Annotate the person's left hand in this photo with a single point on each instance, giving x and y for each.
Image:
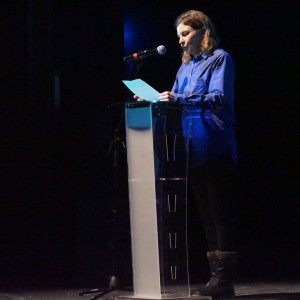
(136, 97)
(166, 96)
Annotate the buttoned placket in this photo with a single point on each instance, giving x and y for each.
(191, 74)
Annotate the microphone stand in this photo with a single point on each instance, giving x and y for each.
(115, 148)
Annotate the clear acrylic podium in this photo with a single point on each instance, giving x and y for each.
(157, 177)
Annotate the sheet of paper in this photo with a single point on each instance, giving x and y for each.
(142, 89)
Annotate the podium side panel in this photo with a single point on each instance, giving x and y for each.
(171, 193)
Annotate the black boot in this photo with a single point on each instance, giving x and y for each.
(222, 267)
(212, 260)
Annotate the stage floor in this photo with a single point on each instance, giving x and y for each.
(246, 291)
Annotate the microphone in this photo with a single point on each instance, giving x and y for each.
(145, 53)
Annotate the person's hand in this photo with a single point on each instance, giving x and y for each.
(136, 97)
(166, 96)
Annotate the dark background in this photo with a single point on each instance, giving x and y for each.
(61, 108)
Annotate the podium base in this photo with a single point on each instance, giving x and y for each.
(170, 293)
(167, 297)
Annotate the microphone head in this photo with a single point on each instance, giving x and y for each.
(161, 49)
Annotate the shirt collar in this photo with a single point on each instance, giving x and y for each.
(200, 56)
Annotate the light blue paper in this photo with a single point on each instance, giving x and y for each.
(142, 89)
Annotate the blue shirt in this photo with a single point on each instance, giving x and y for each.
(205, 87)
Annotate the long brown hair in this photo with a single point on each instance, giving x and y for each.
(198, 20)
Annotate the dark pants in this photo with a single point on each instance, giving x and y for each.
(212, 188)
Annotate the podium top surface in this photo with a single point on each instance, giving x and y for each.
(159, 104)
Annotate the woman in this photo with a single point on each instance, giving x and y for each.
(205, 86)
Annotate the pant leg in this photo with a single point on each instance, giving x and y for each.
(197, 178)
(212, 187)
